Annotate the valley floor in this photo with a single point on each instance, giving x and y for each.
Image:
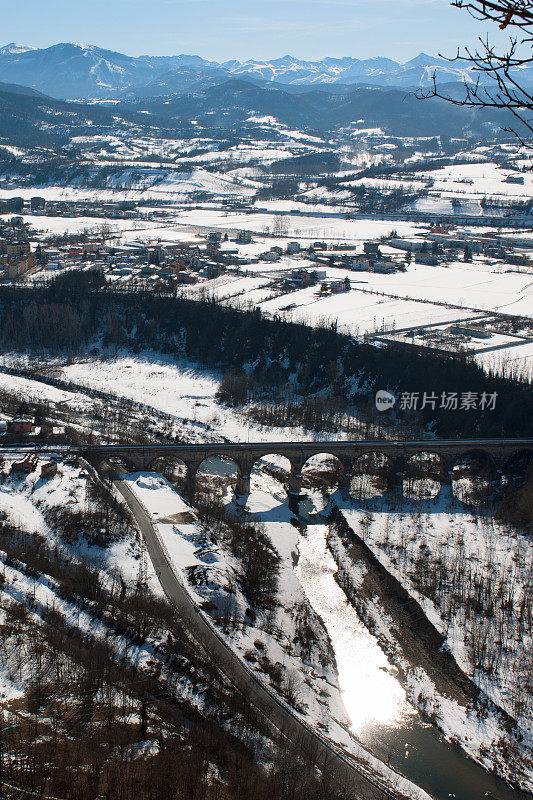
(371, 695)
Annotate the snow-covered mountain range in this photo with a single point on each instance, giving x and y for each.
(84, 71)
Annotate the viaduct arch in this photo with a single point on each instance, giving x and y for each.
(495, 452)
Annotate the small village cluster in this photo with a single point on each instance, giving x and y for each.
(156, 263)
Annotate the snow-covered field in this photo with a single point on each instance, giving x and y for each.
(310, 227)
(355, 312)
(34, 391)
(180, 390)
(74, 225)
(250, 289)
(114, 230)
(476, 285)
(143, 184)
(479, 180)
(469, 183)
(23, 499)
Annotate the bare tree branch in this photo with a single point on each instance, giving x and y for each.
(496, 77)
(515, 13)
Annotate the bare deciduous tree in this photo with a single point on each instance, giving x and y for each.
(497, 81)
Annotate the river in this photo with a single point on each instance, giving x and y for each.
(375, 701)
(381, 717)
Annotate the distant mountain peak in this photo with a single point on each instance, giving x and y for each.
(13, 48)
(422, 60)
(83, 71)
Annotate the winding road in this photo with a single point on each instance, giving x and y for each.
(360, 782)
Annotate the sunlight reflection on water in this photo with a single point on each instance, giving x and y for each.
(371, 694)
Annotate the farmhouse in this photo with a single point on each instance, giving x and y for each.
(20, 425)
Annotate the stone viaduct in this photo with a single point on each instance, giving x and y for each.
(396, 454)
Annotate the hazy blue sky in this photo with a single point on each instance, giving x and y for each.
(224, 29)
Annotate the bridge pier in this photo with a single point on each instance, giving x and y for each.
(295, 485)
(295, 479)
(243, 485)
(396, 475)
(136, 463)
(244, 468)
(346, 475)
(190, 479)
(345, 482)
(498, 463)
(446, 473)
